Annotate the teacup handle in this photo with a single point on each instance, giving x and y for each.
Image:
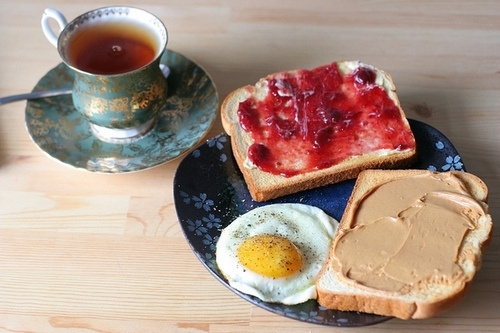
(48, 14)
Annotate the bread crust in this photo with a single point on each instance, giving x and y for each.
(385, 306)
(264, 186)
(334, 294)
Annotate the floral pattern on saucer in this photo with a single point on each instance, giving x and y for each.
(209, 193)
(61, 132)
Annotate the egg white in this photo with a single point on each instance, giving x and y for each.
(309, 228)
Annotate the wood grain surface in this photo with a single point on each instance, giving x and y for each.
(85, 252)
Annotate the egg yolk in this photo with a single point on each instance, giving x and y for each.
(270, 255)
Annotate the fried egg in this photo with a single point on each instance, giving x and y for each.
(275, 252)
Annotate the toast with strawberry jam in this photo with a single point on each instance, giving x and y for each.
(301, 129)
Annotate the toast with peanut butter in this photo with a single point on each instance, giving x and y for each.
(408, 245)
(301, 129)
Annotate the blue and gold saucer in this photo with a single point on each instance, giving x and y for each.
(60, 131)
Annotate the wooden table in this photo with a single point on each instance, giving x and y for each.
(86, 252)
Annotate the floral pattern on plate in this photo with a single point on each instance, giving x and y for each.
(61, 132)
(210, 192)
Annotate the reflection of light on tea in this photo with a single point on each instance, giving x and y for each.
(111, 48)
(117, 50)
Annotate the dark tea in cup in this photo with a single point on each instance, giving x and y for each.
(111, 48)
(115, 52)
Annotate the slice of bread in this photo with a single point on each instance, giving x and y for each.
(265, 185)
(417, 300)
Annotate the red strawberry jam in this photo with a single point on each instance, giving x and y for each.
(313, 119)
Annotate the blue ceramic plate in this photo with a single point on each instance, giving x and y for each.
(61, 132)
(210, 192)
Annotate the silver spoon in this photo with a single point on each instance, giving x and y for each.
(56, 92)
(36, 95)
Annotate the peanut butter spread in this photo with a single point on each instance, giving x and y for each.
(408, 231)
